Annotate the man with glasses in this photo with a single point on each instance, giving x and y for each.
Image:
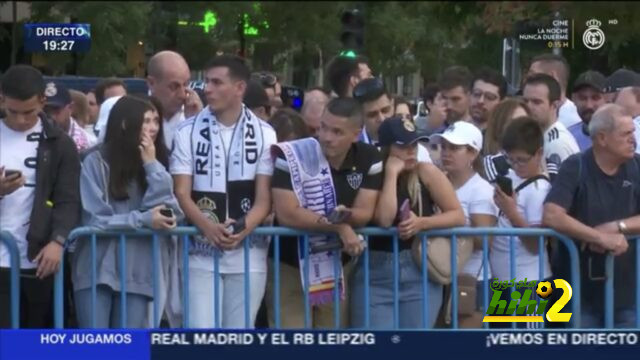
(377, 106)
(489, 88)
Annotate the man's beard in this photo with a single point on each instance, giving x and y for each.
(479, 115)
(586, 115)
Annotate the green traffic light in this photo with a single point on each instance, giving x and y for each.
(349, 53)
(210, 20)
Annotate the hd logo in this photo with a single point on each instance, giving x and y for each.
(523, 304)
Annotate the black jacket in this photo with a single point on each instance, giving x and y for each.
(56, 206)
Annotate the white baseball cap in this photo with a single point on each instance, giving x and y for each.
(460, 133)
(103, 117)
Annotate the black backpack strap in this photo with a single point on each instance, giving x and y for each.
(529, 181)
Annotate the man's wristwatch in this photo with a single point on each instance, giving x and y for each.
(59, 240)
(622, 227)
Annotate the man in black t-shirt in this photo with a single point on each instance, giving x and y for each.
(356, 172)
(595, 200)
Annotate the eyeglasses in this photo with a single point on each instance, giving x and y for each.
(265, 78)
(477, 94)
(520, 161)
(367, 88)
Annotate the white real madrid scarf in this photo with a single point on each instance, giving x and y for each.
(312, 183)
(216, 170)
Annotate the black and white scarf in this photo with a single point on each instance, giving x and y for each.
(224, 183)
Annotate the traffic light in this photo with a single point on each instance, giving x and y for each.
(352, 36)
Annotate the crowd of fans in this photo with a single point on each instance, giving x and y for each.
(353, 156)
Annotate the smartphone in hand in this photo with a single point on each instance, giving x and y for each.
(167, 212)
(238, 226)
(9, 173)
(405, 210)
(339, 216)
(505, 185)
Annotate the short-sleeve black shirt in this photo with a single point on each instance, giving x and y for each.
(593, 198)
(361, 169)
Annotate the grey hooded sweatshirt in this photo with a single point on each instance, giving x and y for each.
(103, 212)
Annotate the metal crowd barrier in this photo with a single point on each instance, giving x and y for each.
(14, 258)
(184, 233)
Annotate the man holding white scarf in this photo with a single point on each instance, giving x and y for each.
(311, 179)
(222, 171)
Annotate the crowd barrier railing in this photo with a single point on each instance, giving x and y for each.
(184, 234)
(14, 283)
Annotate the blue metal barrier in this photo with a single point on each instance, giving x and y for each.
(184, 234)
(609, 307)
(14, 258)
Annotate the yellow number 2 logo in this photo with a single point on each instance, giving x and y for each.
(554, 314)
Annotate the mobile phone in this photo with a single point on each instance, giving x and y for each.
(405, 210)
(292, 97)
(11, 173)
(505, 184)
(238, 226)
(338, 216)
(330, 246)
(166, 212)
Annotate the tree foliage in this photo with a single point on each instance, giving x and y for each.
(114, 27)
(400, 37)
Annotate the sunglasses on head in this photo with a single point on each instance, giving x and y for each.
(266, 79)
(368, 87)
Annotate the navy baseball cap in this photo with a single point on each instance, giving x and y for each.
(398, 131)
(620, 79)
(57, 95)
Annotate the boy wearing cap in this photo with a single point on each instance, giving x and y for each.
(58, 107)
(588, 96)
(410, 192)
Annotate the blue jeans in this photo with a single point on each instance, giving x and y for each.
(594, 319)
(381, 293)
(108, 309)
(230, 298)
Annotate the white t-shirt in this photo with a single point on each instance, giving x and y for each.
(169, 127)
(559, 144)
(568, 114)
(232, 261)
(423, 154)
(530, 202)
(636, 123)
(16, 150)
(476, 197)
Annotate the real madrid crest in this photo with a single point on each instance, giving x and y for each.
(408, 125)
(593, 38)
(50, 90)
(354, 180)
(207, 206)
